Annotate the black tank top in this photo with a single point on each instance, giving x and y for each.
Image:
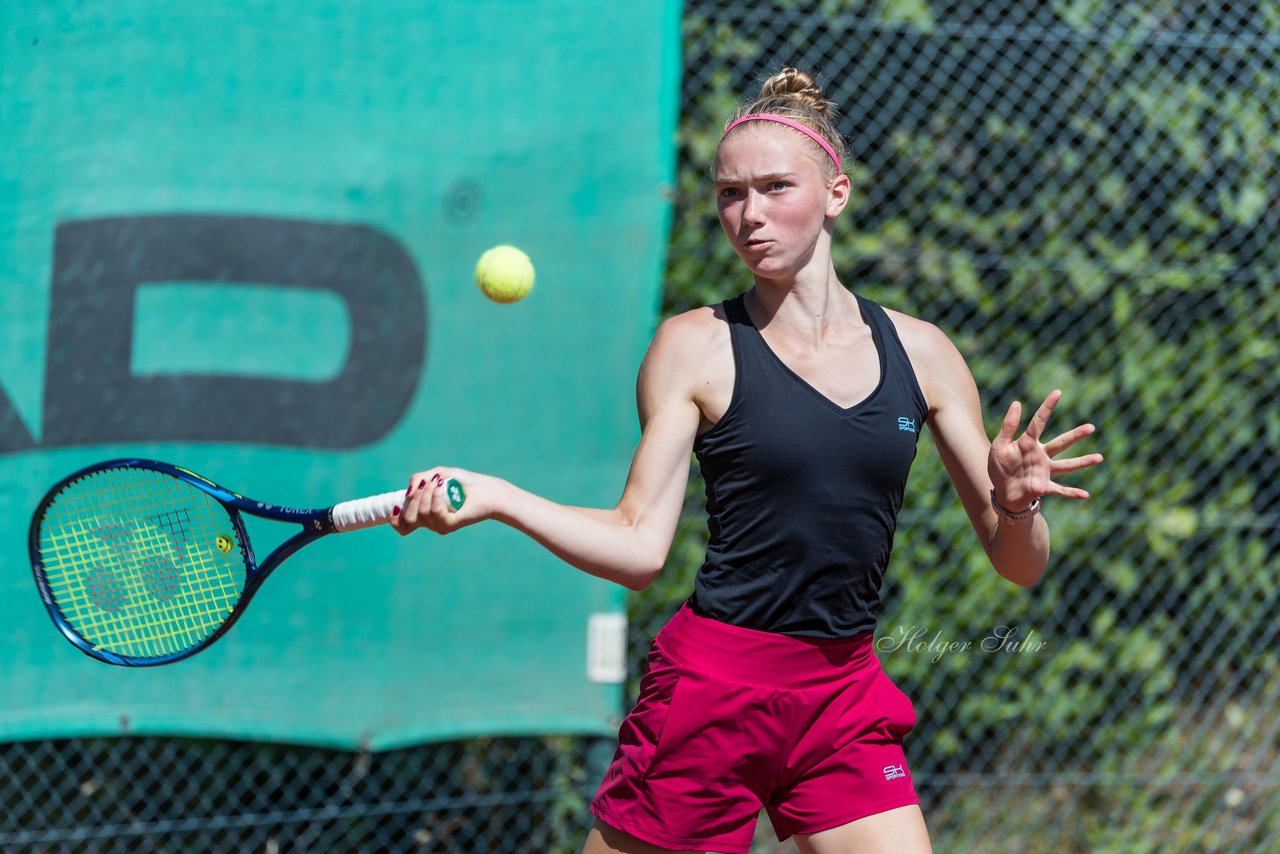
(802, 494)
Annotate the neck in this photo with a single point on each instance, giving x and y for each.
(808, 308)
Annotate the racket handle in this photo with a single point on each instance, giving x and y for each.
(378, 509)
(366, 512)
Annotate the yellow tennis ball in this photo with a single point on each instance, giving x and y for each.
(505, 274)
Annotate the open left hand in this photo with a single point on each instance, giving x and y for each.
(1023, 469)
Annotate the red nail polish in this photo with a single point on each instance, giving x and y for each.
(421, 485)
(395, 511)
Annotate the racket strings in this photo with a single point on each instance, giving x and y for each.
(141, 563)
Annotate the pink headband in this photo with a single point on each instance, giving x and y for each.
(791, 123)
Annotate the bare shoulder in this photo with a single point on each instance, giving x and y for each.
(693, 330)
(691, 356)
(919, 336)
(939, 366)
(684, 340)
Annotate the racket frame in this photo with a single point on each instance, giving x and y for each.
(315, 523)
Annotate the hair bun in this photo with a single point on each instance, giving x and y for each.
(795, 95)
(792, 83)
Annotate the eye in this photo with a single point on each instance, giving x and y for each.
(778, 185)
(730, 192)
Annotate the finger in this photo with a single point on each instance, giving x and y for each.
(414, 507)
(417, 481)
(439, 504)
(1075, 463)
(1012, 417)
(411, 512)
(1072, 492)
(1041, 419)
(1060, 443)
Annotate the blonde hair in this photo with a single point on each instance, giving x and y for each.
(796, 95)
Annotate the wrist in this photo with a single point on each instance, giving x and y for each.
(1011, 516)
(500, 500)
(1008, 506)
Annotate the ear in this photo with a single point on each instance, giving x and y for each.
(839, 193)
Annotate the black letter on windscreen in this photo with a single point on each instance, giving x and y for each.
(91, 397)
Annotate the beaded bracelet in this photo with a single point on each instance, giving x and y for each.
(1011, 518)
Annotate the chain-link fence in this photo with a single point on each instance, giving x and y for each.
(1083, 195)
(136, 795)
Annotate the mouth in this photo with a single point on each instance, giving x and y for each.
(755, 245)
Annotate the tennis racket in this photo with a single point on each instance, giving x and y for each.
(141, 562)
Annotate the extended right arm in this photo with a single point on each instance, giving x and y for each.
(627, 544)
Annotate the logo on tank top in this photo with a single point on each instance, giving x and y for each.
(893, 772)
(906, 425)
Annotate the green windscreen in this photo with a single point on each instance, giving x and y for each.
(241, 238)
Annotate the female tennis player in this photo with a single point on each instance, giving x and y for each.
(803, 403)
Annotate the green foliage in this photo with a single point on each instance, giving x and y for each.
(1096, 214)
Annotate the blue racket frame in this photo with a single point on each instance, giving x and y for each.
(315, 523)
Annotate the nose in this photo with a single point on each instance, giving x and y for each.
(753, 208)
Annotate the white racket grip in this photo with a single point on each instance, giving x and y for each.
(366, 512)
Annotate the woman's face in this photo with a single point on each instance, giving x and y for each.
(774, 199)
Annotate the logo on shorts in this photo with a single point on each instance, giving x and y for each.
(893, 772)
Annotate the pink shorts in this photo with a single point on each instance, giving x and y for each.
(732, 720)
